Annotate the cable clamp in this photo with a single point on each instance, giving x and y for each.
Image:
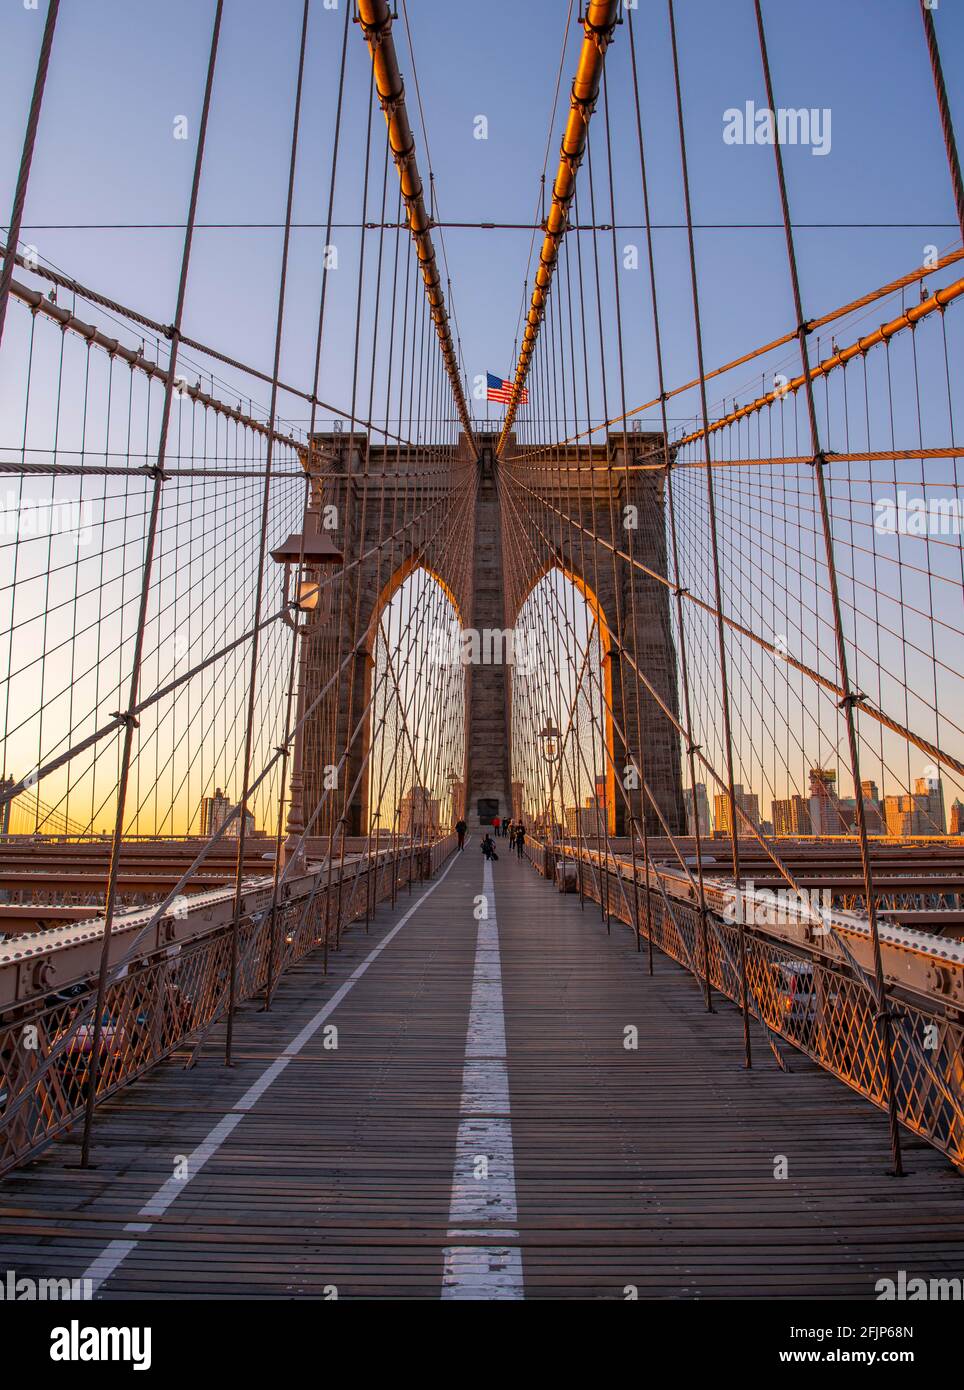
(156, 472)
(584, 105)
(849, 701)
(390, 105)
(819, 459)
(374, 33)
(680, 591)
(402, 157)
(601, 35)
(693, 748)
(128, 720)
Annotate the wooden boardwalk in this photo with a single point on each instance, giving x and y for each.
(480, 1130)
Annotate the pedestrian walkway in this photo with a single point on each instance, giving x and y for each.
(488, 1097)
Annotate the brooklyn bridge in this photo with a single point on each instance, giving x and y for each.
(468, 835)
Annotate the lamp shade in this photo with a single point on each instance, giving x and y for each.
(313, 549)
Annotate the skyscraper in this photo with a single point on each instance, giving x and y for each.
(701, 816)
(747, 802)
(873, 811)
(929, 795)
(827, 816)
(792, 816)
(214, 812)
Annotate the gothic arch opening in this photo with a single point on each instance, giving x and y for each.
(561, 702)
(415, 787)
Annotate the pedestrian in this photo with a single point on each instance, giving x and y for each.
(460, 829)
(495, 825)
(488, 847)
(520, 839)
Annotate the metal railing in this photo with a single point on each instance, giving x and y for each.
(172, 995)
(826, 1009)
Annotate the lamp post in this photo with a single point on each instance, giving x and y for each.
(303, 556)
(550, 740)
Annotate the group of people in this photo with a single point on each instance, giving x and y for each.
(512, 830)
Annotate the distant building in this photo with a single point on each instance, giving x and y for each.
(873, 811)
(234, 828)
(827, 815)
(792, 816)
(899, 815)
(747, 802)
(920, 812)
(956, 826)
(588, 821)
(929, 795)
(217, 809)
(701, 817)
(214, 812)
(456, 798)
(418, 814)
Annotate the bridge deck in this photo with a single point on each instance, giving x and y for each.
(359, 1166)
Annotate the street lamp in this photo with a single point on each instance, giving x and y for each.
(550, 738)
(305, 554)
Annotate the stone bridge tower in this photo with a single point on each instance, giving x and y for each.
(377, 492)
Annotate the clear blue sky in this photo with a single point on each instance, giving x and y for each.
(121, 73)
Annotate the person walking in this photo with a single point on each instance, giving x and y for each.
(520, 839)
(495, 825)
(460, 829)
(488, 846)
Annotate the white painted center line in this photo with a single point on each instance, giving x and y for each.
(483, 1184)
(117, 1251)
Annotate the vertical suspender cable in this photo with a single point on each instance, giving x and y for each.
(26, 159)
(947, 124)
(128, 716)
(849, 698)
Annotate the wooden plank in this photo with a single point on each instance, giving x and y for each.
(651, 1167)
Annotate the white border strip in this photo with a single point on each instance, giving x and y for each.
(117, 1251)
(483, 1184)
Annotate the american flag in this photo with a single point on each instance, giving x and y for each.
(499, 390)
